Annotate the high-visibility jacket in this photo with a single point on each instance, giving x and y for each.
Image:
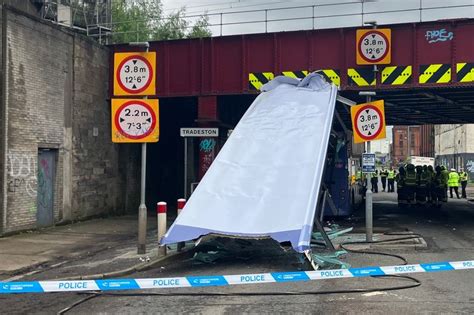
(453, 180)
(438, 181)
(410, 178)
(384, 173)
(463, 177)
(444, 177)
(424, 179)
(391, 174)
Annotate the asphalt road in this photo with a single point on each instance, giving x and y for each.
(448, 232)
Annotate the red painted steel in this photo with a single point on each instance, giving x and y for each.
(207, 108)
(220, 65)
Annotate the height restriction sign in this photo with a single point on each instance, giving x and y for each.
(368, 121)
(134, 73)
(135, 120)
(373, 46)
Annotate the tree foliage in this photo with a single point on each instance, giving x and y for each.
(144, 20)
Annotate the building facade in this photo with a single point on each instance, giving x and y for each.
(455, 146)
(412, 141)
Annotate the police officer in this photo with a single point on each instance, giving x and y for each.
(453, 183)
(383, 178)
(391, 178)
(410, 183)
(374, 180)
(439, 190)
(431, 184)
(422, 184)
(463, 177)
(444, 181)
(401, 190)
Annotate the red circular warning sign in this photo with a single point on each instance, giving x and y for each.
(368, 122)
(135, 119)
(134, 74)
(373, 46)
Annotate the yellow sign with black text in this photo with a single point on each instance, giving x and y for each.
(368, 121)
(135, 73)
(135, 121)
(373, 46)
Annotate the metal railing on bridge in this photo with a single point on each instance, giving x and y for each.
(308, 17)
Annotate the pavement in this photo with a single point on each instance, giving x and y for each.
(106, 245)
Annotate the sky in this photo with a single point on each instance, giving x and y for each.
(327, 13)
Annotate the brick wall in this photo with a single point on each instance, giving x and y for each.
(56, 85)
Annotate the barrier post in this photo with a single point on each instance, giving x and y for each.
(181, 204)
(161, 208)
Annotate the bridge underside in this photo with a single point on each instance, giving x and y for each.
(418, 106)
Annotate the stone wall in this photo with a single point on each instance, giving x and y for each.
(56, 85)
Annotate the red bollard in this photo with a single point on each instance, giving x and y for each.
(181, 204)
(161, 208)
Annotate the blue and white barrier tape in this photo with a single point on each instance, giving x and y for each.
(207, 281)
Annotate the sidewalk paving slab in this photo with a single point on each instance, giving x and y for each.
(30, 251)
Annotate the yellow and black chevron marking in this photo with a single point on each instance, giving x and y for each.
(361, 76)
(257, 79)
(295, 74)
(435, 73)
(465, 72)
(332, 76)
(397, 75)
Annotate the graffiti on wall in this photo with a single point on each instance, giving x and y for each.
(438, 36)
(206, 154)
(22, 171)
(207, 145)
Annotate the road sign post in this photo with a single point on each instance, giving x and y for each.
(368, 123)
(134, 74)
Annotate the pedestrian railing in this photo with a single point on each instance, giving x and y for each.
(310, 17)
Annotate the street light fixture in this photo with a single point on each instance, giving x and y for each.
(142, 210)
(372, 23)
(140, 44)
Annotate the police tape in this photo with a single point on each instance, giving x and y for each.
(208, 281)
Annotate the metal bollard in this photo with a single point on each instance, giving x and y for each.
(181, 204)
(161, 208)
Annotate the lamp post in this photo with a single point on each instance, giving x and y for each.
(142, 210)
(368, 193)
